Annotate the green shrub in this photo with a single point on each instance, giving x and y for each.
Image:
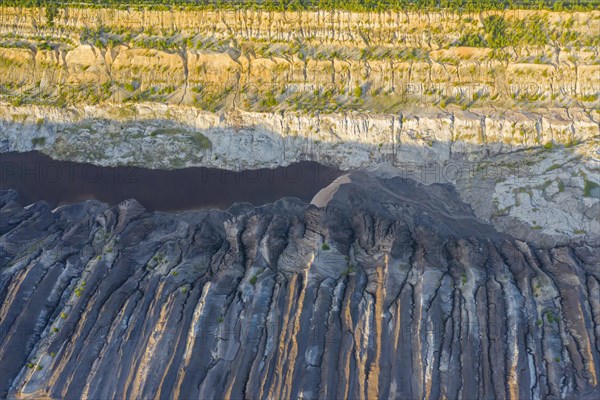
(253, 280)
(589, 97)
(129, 87)
(550, 317)
(17, 101)
(51, 13)
(351, 268)
(325, 246)
(269, 100)
(494, 27)
(471, 39)
(549, 145)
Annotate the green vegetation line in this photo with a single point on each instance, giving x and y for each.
(346, 5)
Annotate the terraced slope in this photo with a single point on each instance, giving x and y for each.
(301, 61)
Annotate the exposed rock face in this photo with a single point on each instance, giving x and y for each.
(156, 135)
(383, 288)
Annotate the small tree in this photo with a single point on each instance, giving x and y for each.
(495, 31)
(51, 13)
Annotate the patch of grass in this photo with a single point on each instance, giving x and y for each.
(201, 141)
(168, 131)
(325, 246)
(463, 278)
(553, 167)
(591, 189)
(19, 117)
(220, 320)
(38, 141)
(124, 112)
